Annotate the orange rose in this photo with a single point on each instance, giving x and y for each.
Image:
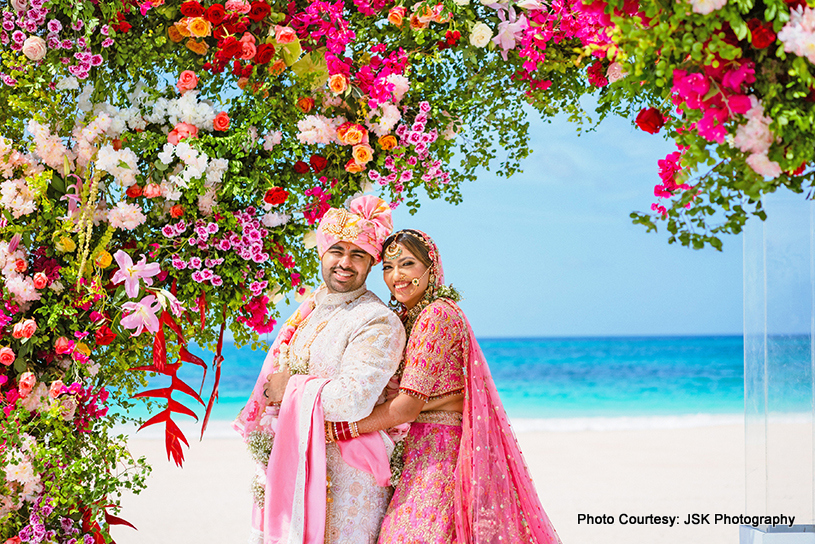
(277, 68)
(363, 153)
(416, 24)
(182, 27)
(396, 15)
(199, 48)
(351, 133)
(200, 27)
(387, 142)
(305, 104)
(174, 34)
(337, 83)
(221, 122)
(177, 211)
(243, 82)
(354, 167)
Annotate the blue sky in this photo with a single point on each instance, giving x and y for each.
(552, 251)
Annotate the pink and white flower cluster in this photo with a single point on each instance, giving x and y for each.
(13, 267)
(798, 35)
(755, 137)
(29, 30)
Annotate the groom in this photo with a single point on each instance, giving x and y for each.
(342, 346)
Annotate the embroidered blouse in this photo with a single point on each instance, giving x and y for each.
(435, 358)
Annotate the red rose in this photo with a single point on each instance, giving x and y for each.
(134, 191)
(265, 53)
(275, 196)
(762, 34)
(177, 211)
(192, 9)
(215, 14)
(231, 48)
(221, 122)
(259, 10)
(105, 336)
(300, 167)
(318, 163)
(650, 120)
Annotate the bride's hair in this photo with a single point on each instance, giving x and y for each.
(412, 242)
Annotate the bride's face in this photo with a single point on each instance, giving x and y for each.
(406, 277)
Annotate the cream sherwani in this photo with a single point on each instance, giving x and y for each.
(355, 341)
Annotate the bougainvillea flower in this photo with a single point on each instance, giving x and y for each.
(142, 315)
(131, 273)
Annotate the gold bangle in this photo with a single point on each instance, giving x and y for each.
(329, 433)
(354, 430)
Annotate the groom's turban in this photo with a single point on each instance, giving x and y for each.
(366, 223)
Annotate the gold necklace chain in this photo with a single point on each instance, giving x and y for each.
(300, 364)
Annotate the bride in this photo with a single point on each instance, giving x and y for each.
(464, 478)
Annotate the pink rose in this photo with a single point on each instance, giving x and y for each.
(249, 50)
(238, 6)
(187, 81)
(40, 280)
(152, 190)
(26, 383)
(56, 389)
(29, 328)
(284, 34)
(67, 407)
(182, 130)
(19, 5)
(17, 331)
(7, 356)
(248, 37)
(221, 122)
(34, 48)
(63, 345)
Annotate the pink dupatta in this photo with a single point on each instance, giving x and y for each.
(294, 509)
(494, 493)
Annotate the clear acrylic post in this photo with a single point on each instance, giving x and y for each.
(779, 358)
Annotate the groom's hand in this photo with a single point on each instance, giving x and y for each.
(276, 386)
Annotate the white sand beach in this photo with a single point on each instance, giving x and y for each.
(631, 470)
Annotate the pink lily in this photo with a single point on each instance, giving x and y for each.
(142, 315)
(131, 273)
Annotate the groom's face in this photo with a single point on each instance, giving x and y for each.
(345, 267)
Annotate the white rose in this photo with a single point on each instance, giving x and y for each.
(34, 48)
(480, 35)
(461, 2)
(310, 239)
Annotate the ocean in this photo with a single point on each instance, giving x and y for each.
(569, 383)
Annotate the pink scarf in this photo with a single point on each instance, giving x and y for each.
(294, 510)
(494, 494)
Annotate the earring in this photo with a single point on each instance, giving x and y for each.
(432, 279)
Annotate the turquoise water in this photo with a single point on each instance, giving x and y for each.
(566, 377)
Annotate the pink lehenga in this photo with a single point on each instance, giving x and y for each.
(464, 478)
